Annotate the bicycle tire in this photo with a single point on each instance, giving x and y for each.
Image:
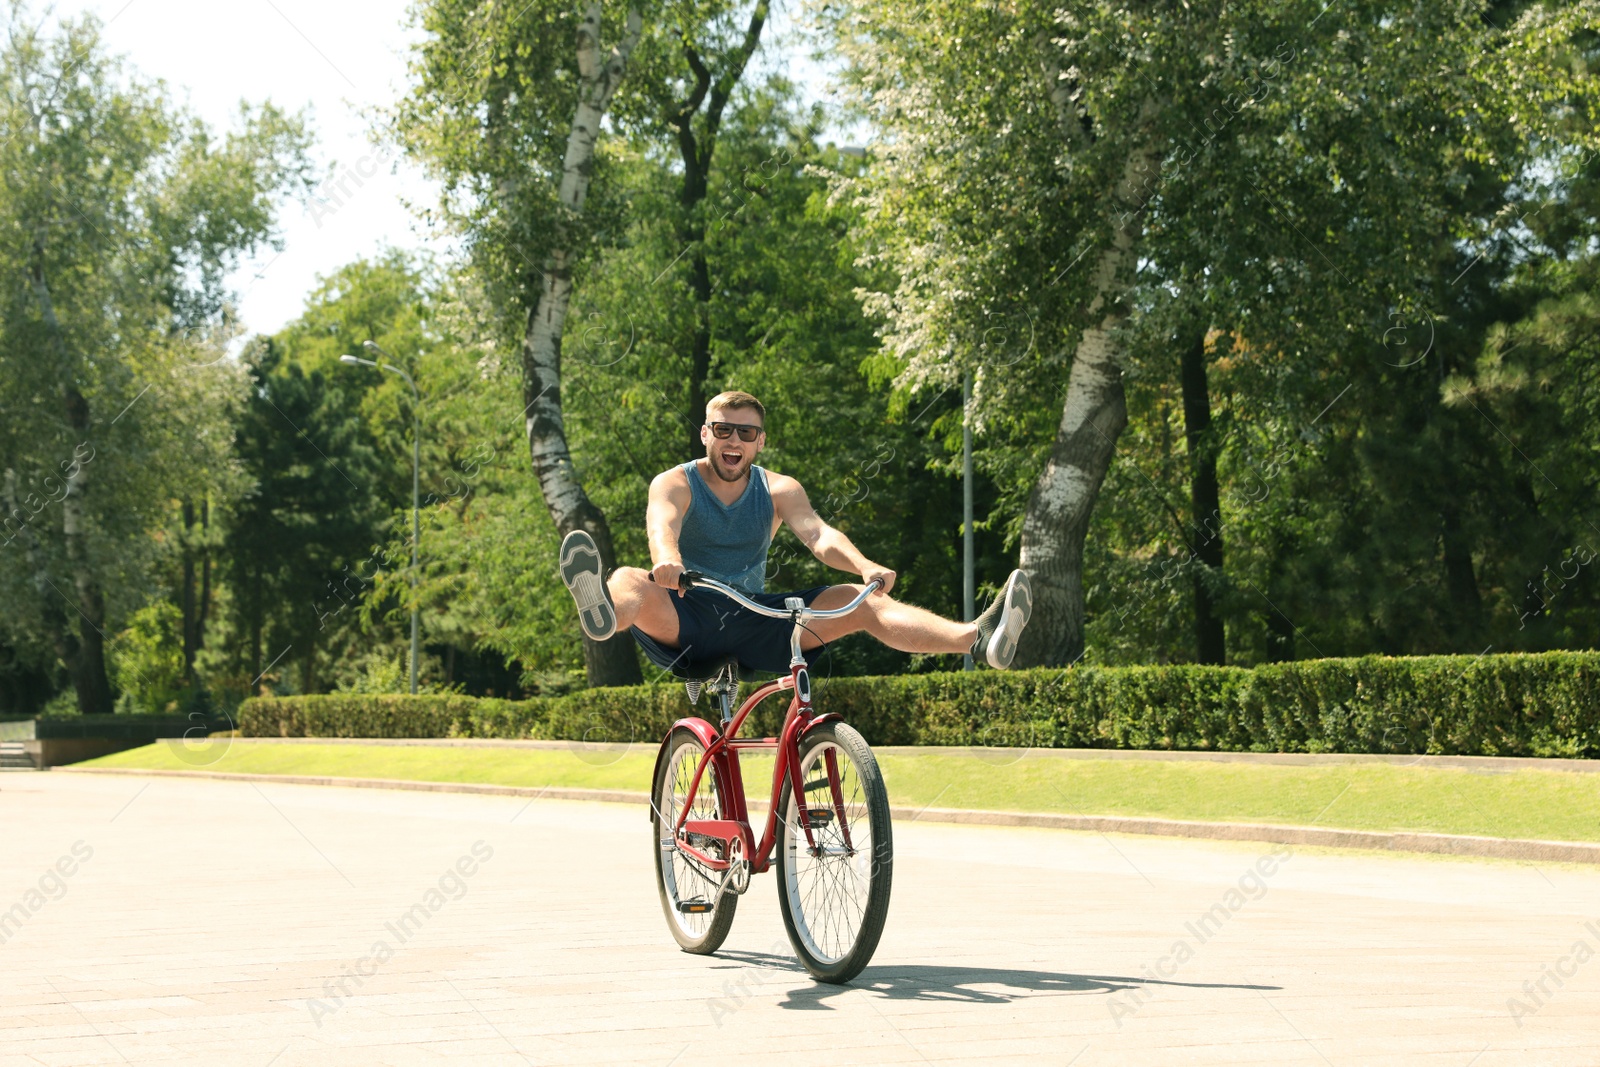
(677, 877)
(818, 892)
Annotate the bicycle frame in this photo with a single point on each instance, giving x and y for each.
(722, 756)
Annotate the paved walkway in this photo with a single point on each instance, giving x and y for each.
(173, 921)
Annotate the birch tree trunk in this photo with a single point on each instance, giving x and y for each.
(1093, 416)
(608, 662)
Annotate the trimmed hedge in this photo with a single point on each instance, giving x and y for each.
(1544, 704)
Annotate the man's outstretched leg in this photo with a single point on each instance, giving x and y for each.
(1000, 625)
(626, 600)
(644, 604)
(583, 573)
(991, 638)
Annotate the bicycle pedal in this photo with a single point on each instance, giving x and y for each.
(694, 907)
(819, 816)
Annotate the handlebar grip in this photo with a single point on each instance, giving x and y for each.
(686, 579)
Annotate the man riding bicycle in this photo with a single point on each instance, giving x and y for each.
(717, 515)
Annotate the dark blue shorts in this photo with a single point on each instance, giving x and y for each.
(712, 626)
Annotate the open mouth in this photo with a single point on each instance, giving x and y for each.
(732, 459)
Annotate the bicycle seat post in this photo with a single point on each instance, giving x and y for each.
(726, 688)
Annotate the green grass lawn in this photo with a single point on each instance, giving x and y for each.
(1540, 804)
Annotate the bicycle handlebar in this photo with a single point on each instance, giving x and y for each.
(690, 579)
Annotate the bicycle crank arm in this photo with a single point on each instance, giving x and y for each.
(737, 877)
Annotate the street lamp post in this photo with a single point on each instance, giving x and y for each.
(416, 483)
(969, 577)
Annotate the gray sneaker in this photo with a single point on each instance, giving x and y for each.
(1000, 626)
(584, 577)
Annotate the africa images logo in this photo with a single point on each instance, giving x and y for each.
(451, 885)
(52, 885)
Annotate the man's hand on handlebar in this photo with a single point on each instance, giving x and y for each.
(666, 575)
(882, 574)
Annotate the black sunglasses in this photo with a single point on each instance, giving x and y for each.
(724, 430)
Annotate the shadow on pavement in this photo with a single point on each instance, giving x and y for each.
(964, 985)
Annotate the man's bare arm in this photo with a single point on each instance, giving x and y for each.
(663, 519)
(829, 545)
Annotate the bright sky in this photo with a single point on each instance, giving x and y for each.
(338, 59)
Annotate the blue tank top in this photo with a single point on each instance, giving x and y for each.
(729, 542)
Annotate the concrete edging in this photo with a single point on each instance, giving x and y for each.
(1438, 844)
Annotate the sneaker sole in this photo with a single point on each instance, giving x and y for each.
(583, 575)
(1013, 617)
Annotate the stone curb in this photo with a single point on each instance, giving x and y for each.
(1439, 844)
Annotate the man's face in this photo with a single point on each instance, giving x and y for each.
(730, 457)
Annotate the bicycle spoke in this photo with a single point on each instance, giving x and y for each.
(687, 879)
(831, 892)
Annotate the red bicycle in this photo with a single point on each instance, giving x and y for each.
(828, 818)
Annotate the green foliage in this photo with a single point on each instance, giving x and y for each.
(298, 539)
(383, 674)
(785, 325)
(317, 558)
(488, 114)
(123, 215)
(1511, 705)
(387, 715)
(64, 705)
(1352, 193)
(1339, 188)
(147, 659)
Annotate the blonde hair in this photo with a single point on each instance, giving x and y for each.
(734, 400)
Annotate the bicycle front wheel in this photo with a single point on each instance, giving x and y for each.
(834, 890)
(698, 915)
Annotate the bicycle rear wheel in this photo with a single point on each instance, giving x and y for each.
(835, 894)
(697, 914)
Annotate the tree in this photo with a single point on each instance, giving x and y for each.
(484, 587)
(148, 659)
(689, 105)
(1066, 165)
(124, 215)
(785, 325)
(294, 541)
(508, 111)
